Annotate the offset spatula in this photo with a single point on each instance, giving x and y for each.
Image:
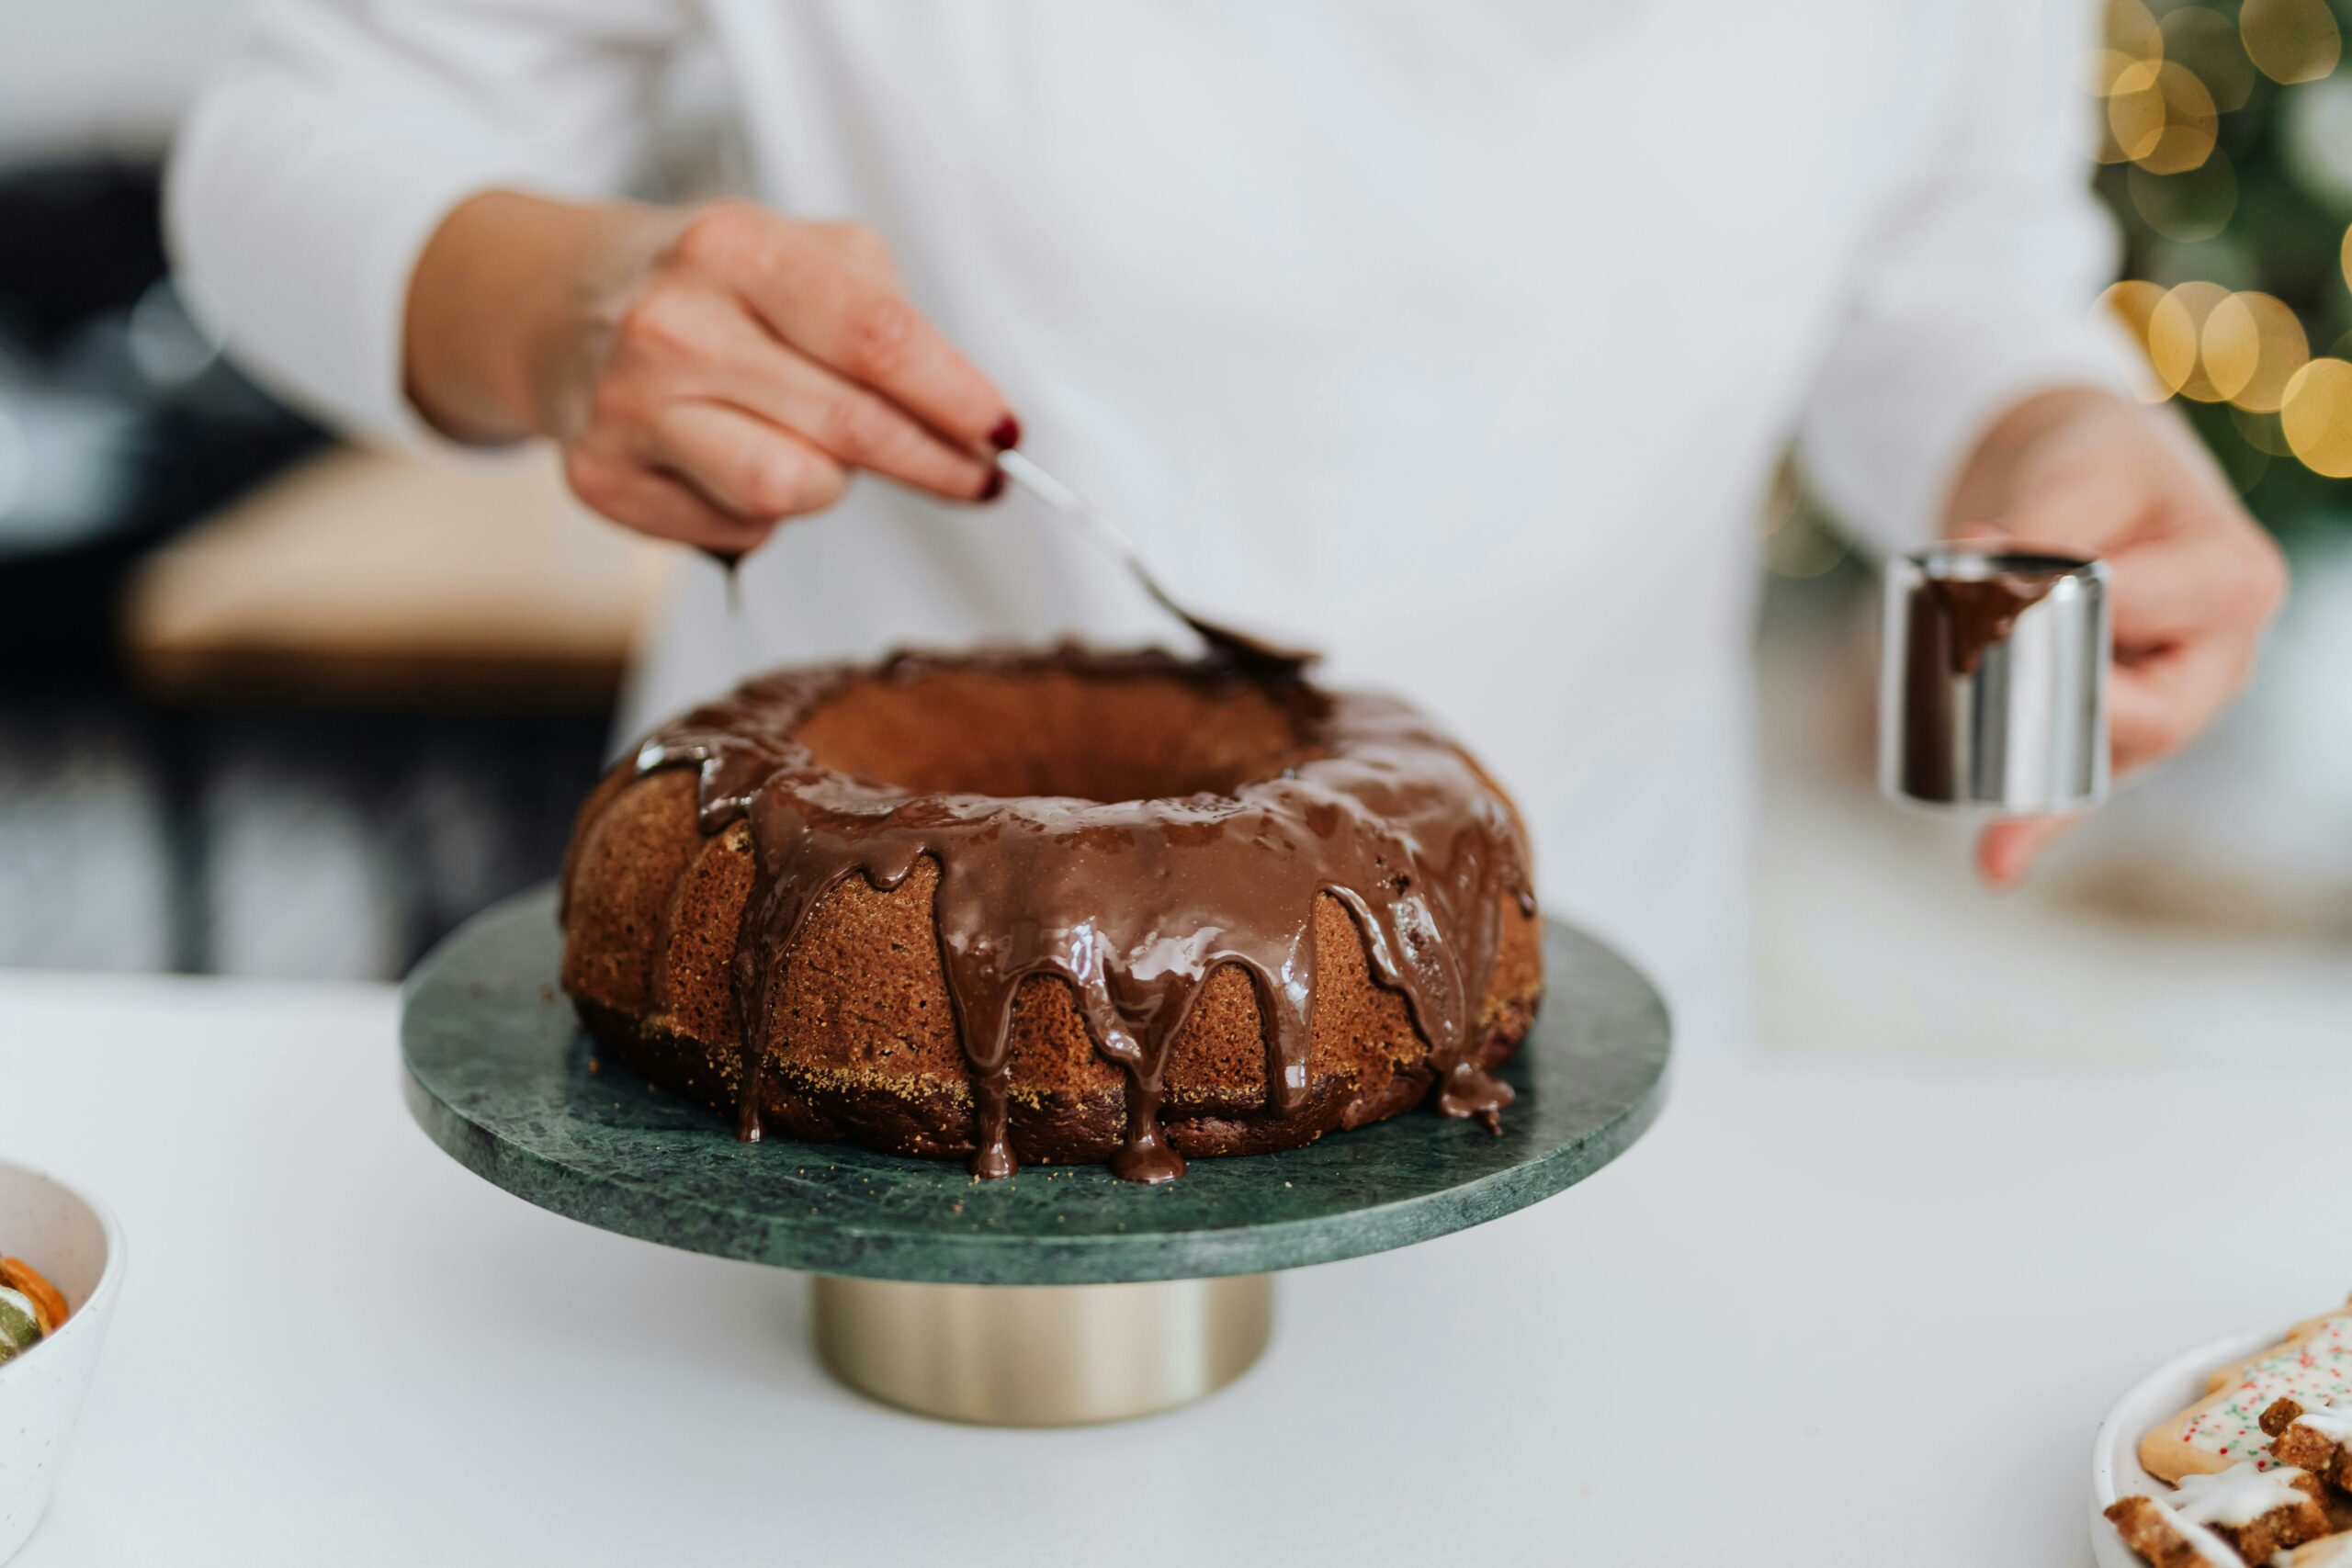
(1246, 647)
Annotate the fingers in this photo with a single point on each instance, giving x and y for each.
(2193, 581)
(755, 366)
(2158, 703)
(2155, 706)
(856, 428)
(654, 503)
(746, 467)
(2088, 513)
(2221, 577)
(842, 314)
(2191, 591)
(2005, 851)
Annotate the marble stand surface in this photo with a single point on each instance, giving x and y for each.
(498, 1074)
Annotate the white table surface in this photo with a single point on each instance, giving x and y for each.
(1825, 1314)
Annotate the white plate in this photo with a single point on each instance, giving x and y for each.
(2115, 1455)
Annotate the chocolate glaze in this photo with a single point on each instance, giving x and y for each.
(1953, 622)
(1135, 902)
(732, 563)
(1975, 613)
(1247, 649)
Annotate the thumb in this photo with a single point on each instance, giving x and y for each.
(2081, 515)
(2007, 850)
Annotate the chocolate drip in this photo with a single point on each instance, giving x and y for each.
(1134, 903)
(1976, 613)
(1247, 651)
(743, 976)
(732, 563)
(1954, 621)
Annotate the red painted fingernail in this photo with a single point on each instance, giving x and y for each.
(1007, 433)
(995, 485)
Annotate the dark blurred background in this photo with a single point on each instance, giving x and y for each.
(273, 705)
(268, 704)
(224, 673)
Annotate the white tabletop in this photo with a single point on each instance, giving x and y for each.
(1825, 1314)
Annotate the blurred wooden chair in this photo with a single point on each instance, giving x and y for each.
(372, 579)
(366, 594)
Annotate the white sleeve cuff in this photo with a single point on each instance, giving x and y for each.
(1904, 405)
(308, 273)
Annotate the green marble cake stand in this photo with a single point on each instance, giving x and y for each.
(1059, 1295)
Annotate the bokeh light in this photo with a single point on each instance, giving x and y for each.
(2175, 339)
(2263, 432)
(2114, 73)
(2186, 207)
(2317, 417)
(2132, 302)
(2161, 118)
(2131, 28)
(2251, 346)
(2227, 128)
(2289, 41)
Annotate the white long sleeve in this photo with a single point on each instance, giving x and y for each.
(320, 160)
(1977, 289)
(1460, 342)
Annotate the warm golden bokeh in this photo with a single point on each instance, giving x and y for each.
(2129, 27)
(2175, 339)
(2317, 417)
(2186, 208)
(2134, 302)
(2104, 70)
(2252, 345)
(2116, 75)
(2161, 118)
(2163, 80)
(2289, 41)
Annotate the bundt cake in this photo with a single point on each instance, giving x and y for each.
(1061, 905)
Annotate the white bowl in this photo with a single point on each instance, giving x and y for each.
(77, 1246)
(2115, 1454)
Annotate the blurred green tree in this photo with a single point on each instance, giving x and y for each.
(2226, 155)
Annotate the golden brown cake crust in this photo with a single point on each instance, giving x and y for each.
(860, 1018)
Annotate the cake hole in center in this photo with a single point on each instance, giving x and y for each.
(1054, 732)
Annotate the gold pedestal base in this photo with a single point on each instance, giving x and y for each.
(1041, 1355)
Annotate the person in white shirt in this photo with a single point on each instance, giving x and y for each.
(1459, 341)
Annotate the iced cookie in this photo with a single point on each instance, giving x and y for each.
(30, 1307)
(2318, 1440)
(2159, 1536)
(2254, 1514)
(2313, 1367)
